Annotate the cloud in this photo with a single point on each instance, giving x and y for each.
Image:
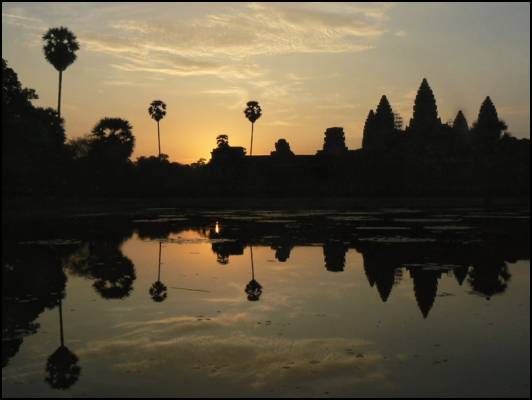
(187, 69)
(141, 56)
(221, 42)
(228, 91)
(337, 107)
(22, 21)
(283, 123)
(122, 83)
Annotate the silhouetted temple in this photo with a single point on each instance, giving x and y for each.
(381, 271)
(427, 157)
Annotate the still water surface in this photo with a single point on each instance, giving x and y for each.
(314, 303)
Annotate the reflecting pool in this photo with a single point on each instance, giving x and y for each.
(390, 302)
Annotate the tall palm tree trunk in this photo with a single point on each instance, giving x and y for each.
(61, 323)
(251, 147)
(59, 94)
(159, 139)
(159, 273)
(252, 267)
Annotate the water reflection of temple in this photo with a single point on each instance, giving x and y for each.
(425, 288)
(282, 248)
(385, 267)
(224, 249)
(34, 276)
(381, 271)
(334, 253)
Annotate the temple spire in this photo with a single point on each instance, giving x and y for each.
(425, 116)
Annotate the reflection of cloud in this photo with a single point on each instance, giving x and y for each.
(253, 363)
(180, 325)
(232, 352)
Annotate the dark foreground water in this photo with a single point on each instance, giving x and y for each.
(315, 303)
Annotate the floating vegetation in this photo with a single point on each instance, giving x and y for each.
(426, 220)
(53, 242)
(434, 266)
(383, 228)
(448, 228)
(195, 240)
(352, 218)
(396, 239)
(161, 219)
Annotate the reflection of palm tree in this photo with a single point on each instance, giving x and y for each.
(59, 48)
(253, 113)
(253, 288)
(158, 289)
(157, 111)
(61, 367)
(224, 249)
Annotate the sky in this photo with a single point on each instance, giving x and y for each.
(309, 65)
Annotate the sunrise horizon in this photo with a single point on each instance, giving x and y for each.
(310, 66)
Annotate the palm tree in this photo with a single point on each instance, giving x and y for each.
(253, 288)
(158, 289)
(59, 50)
(157, 111)
(253, 113)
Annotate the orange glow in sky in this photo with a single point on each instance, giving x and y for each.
(309, 65)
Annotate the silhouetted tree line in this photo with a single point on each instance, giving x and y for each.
(34, 155)
(427, 157)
